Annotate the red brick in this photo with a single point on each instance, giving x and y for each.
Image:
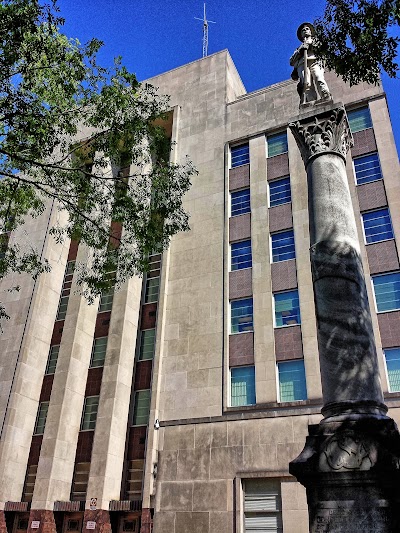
(280, 217)
(277, 166)
(149, 316)
(102, 324)
(382, 257)
(143, 375)
(239, 227)
(93, 383)
(100, 517)
(288, 343)
(136, 442)
(389, 326)
(46, 521)
(84, 447)
(371, 195)
(364, 142)
(34, 452)
(239, 177)
(240, 283)
(46, 388)
(73, 250)
(284, 276)
(146, 522)
(241, 349)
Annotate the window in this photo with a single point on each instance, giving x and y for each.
(282, 246)
(27, 493)
(287, 309)
(279, 192)
(78, 490)
(151, 291)
(243, 389)
(262, 506)
(240, 155)
(387, 291)
(241, 255)
(134, 480)
(292, 381)
(52, 359)
(41, 418)
(98, 352)
(359, 119)
(106, 300)
(367, 168)
(240, 202)
(277, 144)
(392, 357)
(89, 413)
(242, 315)
(147, 343)
(141, 408)
(377, 226)
(65, 291)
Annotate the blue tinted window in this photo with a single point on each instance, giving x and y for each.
(240, 255)
(392, 357)
(242, 315)
(377, 226)
(240, 155)
(367, 168)
(282, 246)
(287, 308)
(277, 144)
(292, 381)
(387, 291)
(243, 390)
(279, 192)
(240, 202)
(359, 119)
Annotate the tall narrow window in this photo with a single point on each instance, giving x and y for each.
(240, 155)
(243, 387)
(240, 202)
(78, 490)
(262, 506)
(359, 119)
(282, 246)
(367, 168)
(41, 418)
(387, 291)
(89, 413)
(98, 352)
(141, 409)
(242, 315)
(377, 225)
(279, 192)
(151, 290)
(65, 291)
(147, 343)
(241, 255)
(287, 308)
(52, 359)
(392, 356)
(292, 381)
(277, 144)
(106, 300)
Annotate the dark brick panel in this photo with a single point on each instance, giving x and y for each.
(240, 283)
(371, 195)
(73, 250)
(239, 228)
(46, 388)
(241, 349)
(116, 231)
(284, 275)
(57, 333)
(34, 452)
(84, 447)
(364, 142)
(277, 166)
(382, 257)
(136, 442)
(288, 343)
(280, 217)
(102, 324)
(93, 383)
(389, 326)
(143, 375)
(149, 316)
(239, 177)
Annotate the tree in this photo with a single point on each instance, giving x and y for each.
(358, 38)
(52, 88)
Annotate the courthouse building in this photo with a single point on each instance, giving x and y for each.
(176, 403)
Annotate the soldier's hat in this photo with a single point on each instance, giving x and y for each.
(302, 26)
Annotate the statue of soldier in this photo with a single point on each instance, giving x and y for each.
(307, 68)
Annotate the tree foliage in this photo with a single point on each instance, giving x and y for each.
(358, 38)
(51, 90)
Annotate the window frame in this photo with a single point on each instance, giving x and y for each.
(93, 351)
(253, 385)
(237, 146)
(82, 428)
(49, 360)
(141, 344)
(230, 316)
(135, 407)
(275, 485)
(276, 134)
(41, 431)
(146, 292)
(361, 108)
(233, 244)
(392, 349)
(271, 241)
(366, 242)
(274, 181)
(280, 364)
(364, 156)
(375, 276)
(274, 308)
(230, 202)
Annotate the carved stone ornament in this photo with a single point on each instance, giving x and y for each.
(348, 451)
(326, 132)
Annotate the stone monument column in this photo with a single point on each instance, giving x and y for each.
(350, 463)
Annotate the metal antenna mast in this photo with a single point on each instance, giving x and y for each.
(205, 31)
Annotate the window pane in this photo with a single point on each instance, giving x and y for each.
(277, 144)
(367, 168)
(377, 226)
(262, 506)
(393, 368)
(243, 389)
(387, 291)
(65, 291)
(141, 409)
(147, 342)
(292, 381)
(282, 246)
(242, 315)
(240, 202)
(106, 300)
(41, 418)
(99, 352)
(52, 359)
(287, 309)
(90, 412)
(152, 288)
(240, 155)
(62, 308)
(359, 119)
(279, 192)
(241, 255)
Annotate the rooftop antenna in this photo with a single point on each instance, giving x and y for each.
(205, 31)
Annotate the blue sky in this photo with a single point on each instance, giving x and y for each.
(154, 36)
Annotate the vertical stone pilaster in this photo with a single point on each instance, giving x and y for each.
(46, 521)
(100, 517)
